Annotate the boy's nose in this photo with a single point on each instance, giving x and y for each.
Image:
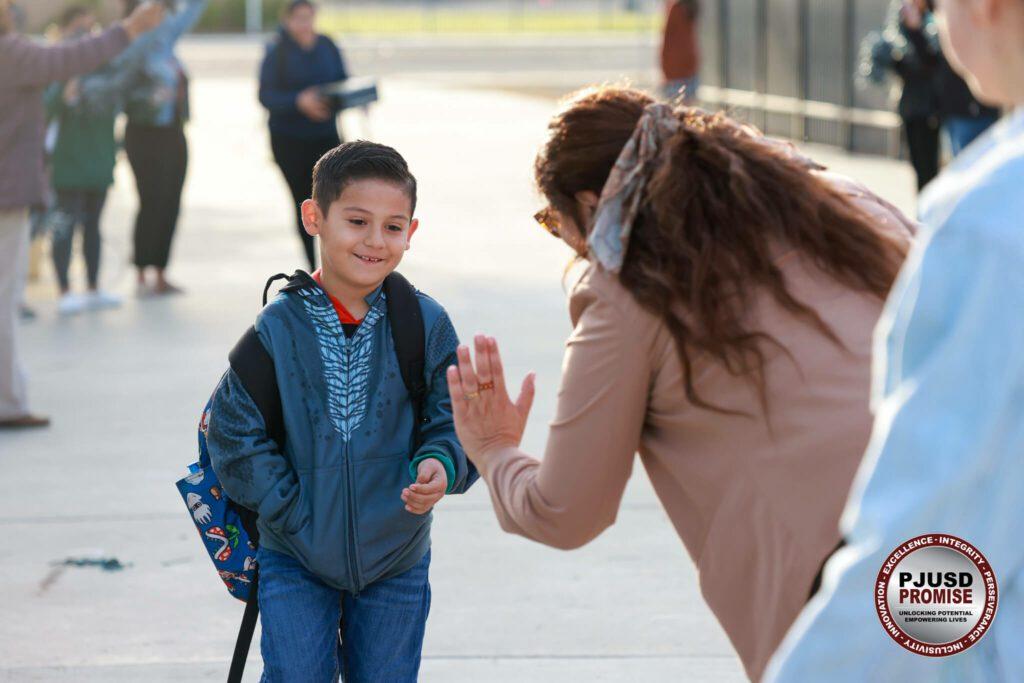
(374, 238)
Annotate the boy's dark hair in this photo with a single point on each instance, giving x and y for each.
(360, 160)
(71, 14)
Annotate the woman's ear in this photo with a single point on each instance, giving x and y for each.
(587, 198)
(586, 207)
(312, 217)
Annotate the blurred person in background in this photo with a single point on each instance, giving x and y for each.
(680, 51)
(722, 329)
(84, 111)
(82, 169)
(945, 455)
(302, 124)
(26, 68)
(17, 15)
(157, 107)
(907, 48)
(964, 117)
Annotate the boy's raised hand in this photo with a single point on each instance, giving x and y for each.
(431, 483)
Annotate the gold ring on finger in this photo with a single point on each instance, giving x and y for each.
(486, 386)
(472, 395)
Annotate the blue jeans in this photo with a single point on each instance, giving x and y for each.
(962, 130)
(381, 628)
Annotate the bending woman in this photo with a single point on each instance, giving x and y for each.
(723, 330)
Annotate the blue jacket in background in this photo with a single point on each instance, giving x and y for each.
(147, 80)
(331, 499)
(287, 70)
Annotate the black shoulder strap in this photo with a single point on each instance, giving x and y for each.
(406, 319)
(245, 631)
(300, 279)
(255, 367)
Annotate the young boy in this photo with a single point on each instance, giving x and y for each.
(344, 531)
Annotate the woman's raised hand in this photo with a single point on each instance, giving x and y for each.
(485, 416)
(143, 19)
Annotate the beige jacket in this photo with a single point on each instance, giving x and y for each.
(756, 506)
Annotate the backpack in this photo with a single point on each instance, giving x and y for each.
(228, 530)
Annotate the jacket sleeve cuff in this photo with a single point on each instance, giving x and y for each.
(449, 467)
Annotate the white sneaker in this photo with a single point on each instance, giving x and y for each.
(70, 304)
(99, 299)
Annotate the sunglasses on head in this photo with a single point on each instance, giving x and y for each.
(546, 219)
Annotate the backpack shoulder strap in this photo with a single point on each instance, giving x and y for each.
(406, 318)
(255, 368)
(245, 631)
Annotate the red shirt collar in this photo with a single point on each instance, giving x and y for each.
(344, 317)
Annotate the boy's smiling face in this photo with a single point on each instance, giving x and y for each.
(364, 235)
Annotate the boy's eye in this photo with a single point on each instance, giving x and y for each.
(395, 228)
(357, 221)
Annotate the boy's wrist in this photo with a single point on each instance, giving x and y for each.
(446, 462)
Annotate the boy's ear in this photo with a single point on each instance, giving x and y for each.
(312, 217)
(412, 231)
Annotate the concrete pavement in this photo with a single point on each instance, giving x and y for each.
(125, 388)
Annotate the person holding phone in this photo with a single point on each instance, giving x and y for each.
(302, 122)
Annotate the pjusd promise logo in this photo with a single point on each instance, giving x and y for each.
(936, 595)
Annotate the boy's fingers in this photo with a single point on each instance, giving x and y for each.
(417, 499)
(428, 488)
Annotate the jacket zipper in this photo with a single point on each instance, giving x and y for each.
(353, 562)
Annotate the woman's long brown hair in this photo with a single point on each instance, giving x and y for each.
(716, 210)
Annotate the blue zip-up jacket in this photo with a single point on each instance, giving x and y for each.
(287, 70)
(331, 499)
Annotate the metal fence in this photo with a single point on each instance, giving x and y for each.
(789, 66)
